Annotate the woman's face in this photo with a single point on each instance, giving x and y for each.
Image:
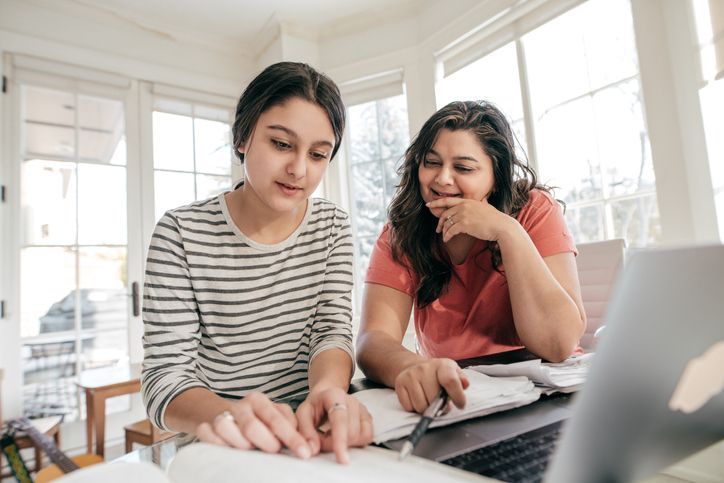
(288, 153)
(456, 166)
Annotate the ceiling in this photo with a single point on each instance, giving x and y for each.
(243, 20)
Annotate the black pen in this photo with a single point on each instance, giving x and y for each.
(433, 410)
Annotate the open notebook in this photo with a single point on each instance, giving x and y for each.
(205, 463)
(486, 395)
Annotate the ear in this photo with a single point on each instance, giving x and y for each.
(242, 148)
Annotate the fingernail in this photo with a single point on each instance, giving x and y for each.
(314, 445)
(304, 452)
(344, 458)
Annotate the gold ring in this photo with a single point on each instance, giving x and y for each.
(337, 407)
(225, 415)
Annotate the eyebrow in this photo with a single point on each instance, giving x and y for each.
(456, 158)
(294, 135)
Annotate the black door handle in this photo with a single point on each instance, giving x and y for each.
(135, 299)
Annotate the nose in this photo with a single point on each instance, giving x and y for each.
(444, 177)
(297, 167)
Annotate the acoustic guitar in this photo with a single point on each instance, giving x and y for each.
(62, 463)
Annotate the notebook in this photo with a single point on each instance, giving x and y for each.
(485, 395)
(653, 393)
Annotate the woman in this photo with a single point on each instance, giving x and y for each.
(247, 295)
(480, 248)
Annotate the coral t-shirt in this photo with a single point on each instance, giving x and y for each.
(473, 317)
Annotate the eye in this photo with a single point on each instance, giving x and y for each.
(281, 145)
(464, 169)
(317, 156)
(431, 162)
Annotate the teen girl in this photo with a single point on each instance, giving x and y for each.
(247, 295)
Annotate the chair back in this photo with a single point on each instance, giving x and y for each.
(598, 266)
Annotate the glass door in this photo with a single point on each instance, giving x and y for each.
(74, 303)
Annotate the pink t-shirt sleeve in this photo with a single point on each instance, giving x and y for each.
(542, 218)
(384, 270)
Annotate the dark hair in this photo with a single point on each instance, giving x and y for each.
(412, 226)
(278, 83)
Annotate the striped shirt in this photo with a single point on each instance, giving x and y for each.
(224, 312)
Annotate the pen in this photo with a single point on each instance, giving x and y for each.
(433, 410)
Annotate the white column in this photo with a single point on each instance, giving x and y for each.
(10, 342)
(419, 76)
(670, 77)
(716, 12)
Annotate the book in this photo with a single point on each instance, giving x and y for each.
(485, 395)
(207, 463)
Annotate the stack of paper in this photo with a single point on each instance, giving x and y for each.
(567, 375)
(486, 395)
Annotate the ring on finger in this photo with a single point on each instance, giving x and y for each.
(450, 220)
(226, 415)
(337, 407)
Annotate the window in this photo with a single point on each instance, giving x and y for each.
(711, 48)
(493, 78)
(74, 242)
(191, 153)
(581, 96)
(378, 135)
(587, 112)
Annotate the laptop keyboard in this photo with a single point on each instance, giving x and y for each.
(520, 459)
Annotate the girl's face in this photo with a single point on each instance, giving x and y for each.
(287, 153)
(456, 166)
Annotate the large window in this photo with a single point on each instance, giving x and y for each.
(378, 135)
(73, 256)
(710, 29)
(584, 101)
(191, 153)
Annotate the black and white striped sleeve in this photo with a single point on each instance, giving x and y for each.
(332, 325)
(171, 322)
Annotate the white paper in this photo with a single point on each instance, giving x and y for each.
(120, 472)
(205, 463)
(567, 374)
(485, 395)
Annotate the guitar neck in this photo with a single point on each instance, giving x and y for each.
(48, 445)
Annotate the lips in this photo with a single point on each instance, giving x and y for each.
(438, 194)
(288, 189)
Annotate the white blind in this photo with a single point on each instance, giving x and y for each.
(370, 88)
(30, 70)
(508, 20)
(193, 96)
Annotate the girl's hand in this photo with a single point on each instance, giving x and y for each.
(345, 420)
(256, 422)
(476, 218)
(418, 385)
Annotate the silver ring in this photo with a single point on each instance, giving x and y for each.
(450, 219)
(337, 407)
(225, 415)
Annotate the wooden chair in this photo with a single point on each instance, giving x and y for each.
(51, 427)
(143, 432)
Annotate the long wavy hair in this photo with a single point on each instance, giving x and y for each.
(412, 226)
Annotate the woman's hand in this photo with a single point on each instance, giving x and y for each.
(332, 420)
(476, 218)
(256, 422)
(418, 385)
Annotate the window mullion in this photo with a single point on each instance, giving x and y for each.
(527, 107)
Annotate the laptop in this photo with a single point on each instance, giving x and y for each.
(654, 394)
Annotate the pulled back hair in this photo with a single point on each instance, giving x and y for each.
(412, 226)
(277, 84)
